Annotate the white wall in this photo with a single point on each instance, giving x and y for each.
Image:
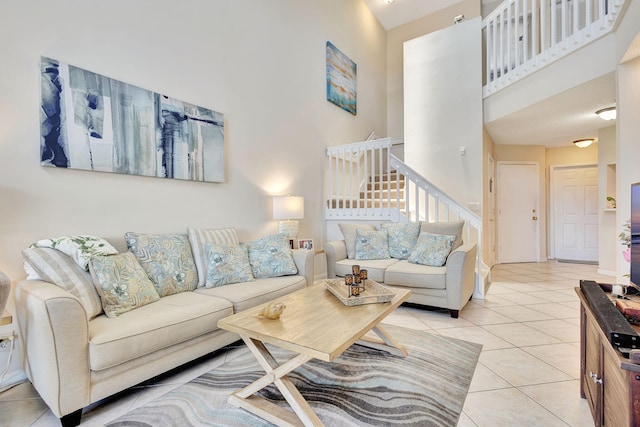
(443, 109)
(607, 231)
(261, 63)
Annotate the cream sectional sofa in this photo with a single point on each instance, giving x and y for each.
(449, 286)
(74, 360)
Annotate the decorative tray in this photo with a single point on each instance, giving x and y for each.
(373, 292)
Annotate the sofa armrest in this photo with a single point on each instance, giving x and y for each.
(460, 275)
(54, 333)
(305, 262)
(335, 251)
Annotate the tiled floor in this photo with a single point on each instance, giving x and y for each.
(527, 374)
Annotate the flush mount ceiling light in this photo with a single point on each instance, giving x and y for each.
(387, 1)
(583, 143)
(608, 113)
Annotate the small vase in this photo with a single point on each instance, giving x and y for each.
(627, 255)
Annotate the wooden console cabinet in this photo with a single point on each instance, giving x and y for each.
(609, 382)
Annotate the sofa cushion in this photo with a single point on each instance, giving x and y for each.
(122, 283)
(432, 249)
(227, 265)
(199, 237)
(371, 244)
(55, 267)
(171, 320)
(247, 295)
(375, 268)
(167, 259)
(80, 248)
(271, 256)
(349, 234)
(404, 273)
(402, 238)
(452, 227)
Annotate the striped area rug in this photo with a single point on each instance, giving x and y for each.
(361, 387)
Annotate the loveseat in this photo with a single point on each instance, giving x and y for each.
(76, 353)
(429, 258)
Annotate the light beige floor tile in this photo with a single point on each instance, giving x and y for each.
(478, 335)
(557, 311)
(520, 335)
(520, 313)
(565, 357)
(465, 421)
(507, 408)
(405, 319)
(492, 301)
(21, 406)
(440, 320)
(521, 287)
(483, 316)
(485, 379)
(523, 298)
(562, 399)
(509, 363)
(564, 331)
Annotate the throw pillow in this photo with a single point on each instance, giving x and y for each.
(79, 248)
(447, 228)
(55, 267)
(199, 237)
(402, 238)
(271, 256)
(227, 265)
(432, 249)
(167, 260)
(372, 244)
(349, 234)
(122, 283)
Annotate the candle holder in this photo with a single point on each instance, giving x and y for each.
(348, 279)
(355, 269)
(357, 282)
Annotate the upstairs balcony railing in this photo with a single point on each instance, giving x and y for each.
(366, 182)
(524, 35)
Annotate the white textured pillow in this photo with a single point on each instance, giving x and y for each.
(60, 269)
(349, 234)
(200, 237)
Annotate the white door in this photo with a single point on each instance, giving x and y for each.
(518, 201)
(492, 210)
(575, 213)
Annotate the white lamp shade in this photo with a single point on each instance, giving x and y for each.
(288, 207)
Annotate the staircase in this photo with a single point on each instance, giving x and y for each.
(379, 191)
(367, 183)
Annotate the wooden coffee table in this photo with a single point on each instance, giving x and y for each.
(315, 325)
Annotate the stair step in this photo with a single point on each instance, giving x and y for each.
(385, 184)
(393, 176)
(383, 194)
(364, 204)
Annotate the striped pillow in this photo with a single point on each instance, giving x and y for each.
(199, 238)
(60, 269)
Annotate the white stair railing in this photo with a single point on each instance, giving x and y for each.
(524, 35)
(404, 195)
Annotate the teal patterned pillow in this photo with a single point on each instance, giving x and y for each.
(167, 259)
(372, 244)
(122, 283)
(402, 238)
(271, 256)
(227, 264)
(432, 249)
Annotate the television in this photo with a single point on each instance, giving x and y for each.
(635, 234)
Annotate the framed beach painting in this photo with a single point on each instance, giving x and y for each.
(341, 79)
(92, 122)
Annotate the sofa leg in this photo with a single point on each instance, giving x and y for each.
(72, 419)
(454, 313)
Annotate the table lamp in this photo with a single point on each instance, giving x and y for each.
(289, 209)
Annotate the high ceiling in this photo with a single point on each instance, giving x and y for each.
(554, 122)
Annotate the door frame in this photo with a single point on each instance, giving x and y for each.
(498, 203)
(553, 203)
(491, 214)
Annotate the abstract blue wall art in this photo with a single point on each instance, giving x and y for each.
(341, 79)
(91, 122)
